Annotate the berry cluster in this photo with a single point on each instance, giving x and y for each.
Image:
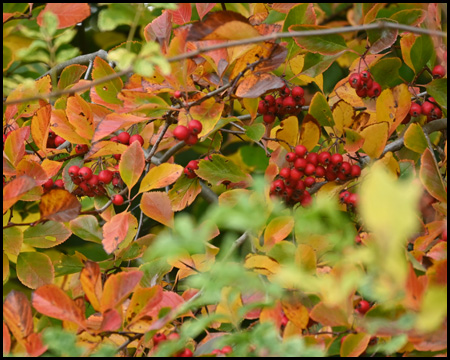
(160, 338)
(289, 102)
(189, 169)
(428, 108)
(225, 350)
(351, 199)
(190, 133)
(50, 184)
(364, 85)
(304, 168)
(126, 139)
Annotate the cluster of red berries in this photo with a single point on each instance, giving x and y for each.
(351, 199)
(189, 169)
(225, 350)
(160, 337)
(289, 102)
(190, 133)
(50, 184)
(428, 108)
(126, 139)
(304, 168)
(364, 85)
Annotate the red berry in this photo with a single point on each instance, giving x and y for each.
(270, 100)
(312, 158)
(285, 91)
(355, 171)
(324, 157)
(136, 137)
(300, 151)
(193, 164)
(278, 185)
(192, 139)
(288, 104)
(93, 181)
(269, 118)
(320, 171)
(306, 199)
(85, 173)
(309, 181)
(177, 94)
(159, 337)
(116, 181)
(227, 349)
(352, 199)
(181, 132)
(117, 156)
(310, 169)
(345, 167)
(290, 157)
(81, 149)
(367, 85)
(124, 137)
(336, 159)
(59, 183)
(343, 196)
(59, 141)
(427, 107)
(195, 126)
(438, 71)
(415, 110)
(115, 139)
(300, 187)
(185, 353)
(330, 175)
(300, 164)
(263, 107)
(117, 199)
(48, 185)
(105, 176)
(285, 173)
(73, 170)
(77, 180)
(374, 91)
(364, 76)
(362, 307)
(436, 113)
(362, 93)
(295, 175)
(354, 80)
(297, 92)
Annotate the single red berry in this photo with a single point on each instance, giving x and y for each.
(288, 104)
(93, 181)
(117, 199)
(192, 139)
(285, 91)
(263, 107)
(290, 183)
(189, 173)
(290, 157)
(285, 173)
(270, 100)
(300, 163)
(362, 307)
(364, 76)
(59, 183)
(279, 103)
(343, 196)
(320, 171)
(136, 137)
(345, 168)
(117, 156)
(227, 349)
(375, 90)
(324, 157)
(438, 71)
(269, 118)
(355, 81)
(352, 199)
(297, 92)
(81, 149)
(306, 199)
(181, 132)
(177, 94)
(330, 175)
(436, 113)
(105, 176)
(48, 185)
(186, 353)
(272, 110)
(84, 186)
(427, 107)
(300, 151)
(312, 158)
(117, 182)
(157, 338)
(73, 170)
(193, 164)
(355, 171)
(124, 137)
(300, 187)
(295, 175)
(415, 110)
(362, 93)
(278, 185)
(310, 169)
(309, 181)
(115, 139)
(195, 126)
(336, 159)
(59, 141)
(85, 173)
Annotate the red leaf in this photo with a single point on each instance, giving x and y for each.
(50, 300)
(111, 320)
(17, 314)
(34, 345)
(115, 231)
(183, 14)
(15, 144)
(14, 190)
(118, 287)
(68, 14)
(204, 8)
(159, 29)
(132, 164)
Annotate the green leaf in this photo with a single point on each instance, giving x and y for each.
(415, 139)
(34, 269)
(438, 89)
(320, 110)
(323, 44)
(108, 90)
(421, 52)
(37, 236)
(220, 169)
(87, 228)
(386, 72)
(255, 131)
(12, 240)
(70, 75)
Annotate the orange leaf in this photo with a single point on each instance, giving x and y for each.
(15, 189)
(118, 287)
(15, 144)
(62, 127)
(142, 302)
(33, 170)
(17, 314)
(277, 230)
(6, 338)
(329, 316)
(354, 345)
(132, 164)
(115, 230)
(297, 313)
(184, 192)
(182, 15)
(80, 116)
(157, 206)
(51, 301)
(91, 283)
(59, 205)
(68, 14)
(34, 345)
(111, 320)
(113, 122)
(40, 126)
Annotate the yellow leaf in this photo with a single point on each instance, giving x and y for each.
(343, 114)
(229, 305)
(309, 132)
(161, 176)
(375, 138)
(277, 230)
(288, 132)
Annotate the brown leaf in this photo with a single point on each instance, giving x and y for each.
(257, 84)
(50, 300)
(6, 339)
(59, 205)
